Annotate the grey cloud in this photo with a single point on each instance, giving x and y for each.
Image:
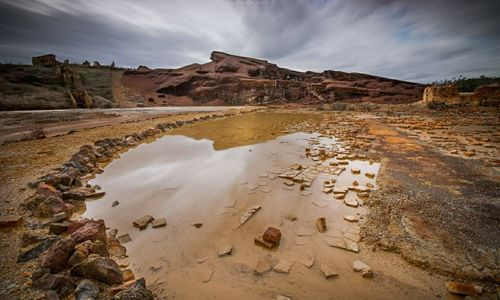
(411, 40)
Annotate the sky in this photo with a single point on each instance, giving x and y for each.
(420, 40)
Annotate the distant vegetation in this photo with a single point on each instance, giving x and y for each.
(468, 84)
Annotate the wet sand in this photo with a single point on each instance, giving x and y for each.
(213, 182)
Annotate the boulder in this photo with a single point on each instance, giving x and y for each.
(63, 285)
(99, 268)
(143, 222)
(138, 291)
(272, 235)
(92, 230)
(57, 255)
(86, 290)
(35, 251)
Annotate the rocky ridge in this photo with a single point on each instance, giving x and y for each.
(236, 80)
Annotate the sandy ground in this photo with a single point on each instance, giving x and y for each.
(437, 203)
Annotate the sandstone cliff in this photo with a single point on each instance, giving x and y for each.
(236, 80)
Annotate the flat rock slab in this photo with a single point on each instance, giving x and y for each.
(328, 271)
(306, 259)
(161, 222)
(142, 223)
(260, 241)
(226, 250)
(460, 288)
(304, 231)
(351, 218)
(342, 243)
(320, 203)
(124, 238)
(262, 267)
(351, 202)
(358, 265)
(283, 266)
(9, 220)
(249, 213)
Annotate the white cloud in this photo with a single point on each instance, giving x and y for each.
(412, 40)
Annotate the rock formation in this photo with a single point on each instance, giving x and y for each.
(48, 60)
(487, 95)
(236, 80)
(441, 94)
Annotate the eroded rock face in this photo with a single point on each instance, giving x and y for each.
(237, 80)
(441, 94)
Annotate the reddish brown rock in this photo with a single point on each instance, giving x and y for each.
(272, 235)
(460, 288)
(47, 60)
(9, 220)
(92, 230)
(47, 190)
(56, 256)
(321, 224)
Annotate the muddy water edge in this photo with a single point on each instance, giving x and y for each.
(210, 174)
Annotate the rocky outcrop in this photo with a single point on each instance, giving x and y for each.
(487, 95)
(441, 94)
(48, 60)
(236, 80)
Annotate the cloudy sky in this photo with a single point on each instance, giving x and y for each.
(420, 40)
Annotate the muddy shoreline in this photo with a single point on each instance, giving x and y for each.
(401, 212)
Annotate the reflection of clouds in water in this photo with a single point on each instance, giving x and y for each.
(139, 178)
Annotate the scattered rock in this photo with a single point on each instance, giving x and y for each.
(226, 250)
(142, 223)
(281, 297)
(351, 202)
(328, 271)
(197, 225)
(283, 266)
(115, 203)
(161, 222)
(321, 224)
(262, 267)
(460, 288)
(272, 235)
(124, 238)
(249, 213)
(359, 266)
(260, 241)
(351, 218)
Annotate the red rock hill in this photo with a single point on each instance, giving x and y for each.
(236, 80)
